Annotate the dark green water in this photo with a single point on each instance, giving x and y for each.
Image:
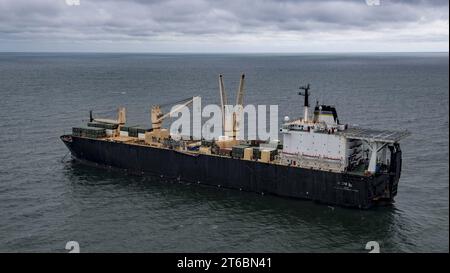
(46, 201)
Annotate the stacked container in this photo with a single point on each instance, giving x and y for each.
(90, 132)
(238, 151)
(134, 131)
(109, 127)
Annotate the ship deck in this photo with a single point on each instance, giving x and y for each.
(277, 161)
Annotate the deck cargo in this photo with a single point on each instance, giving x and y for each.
(90, 132)
(109, 126)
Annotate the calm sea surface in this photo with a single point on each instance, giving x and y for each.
(46, 199)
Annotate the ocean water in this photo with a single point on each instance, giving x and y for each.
(46, 199)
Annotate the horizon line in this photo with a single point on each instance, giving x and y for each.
(228, 52)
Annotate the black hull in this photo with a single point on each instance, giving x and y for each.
(341, 189)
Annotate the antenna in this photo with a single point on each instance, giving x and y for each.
(305, 93)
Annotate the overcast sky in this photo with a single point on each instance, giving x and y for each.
(224, 25)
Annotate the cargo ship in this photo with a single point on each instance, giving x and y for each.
(317, 158)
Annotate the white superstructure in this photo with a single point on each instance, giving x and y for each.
(321, 142)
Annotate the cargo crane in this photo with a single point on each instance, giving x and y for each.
(223, 102)
(158, 135)
(121, 118)
(240, 105)
(157, 116)
(232, 130)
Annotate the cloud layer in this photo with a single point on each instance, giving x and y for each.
(224, 25)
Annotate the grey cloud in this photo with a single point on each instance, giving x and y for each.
(141, 20)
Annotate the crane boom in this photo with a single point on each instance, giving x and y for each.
(240, 104)
(157, 116)
(176, 109)
(104, 120)
(223, 98)
(240, 94)
(121, 117)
